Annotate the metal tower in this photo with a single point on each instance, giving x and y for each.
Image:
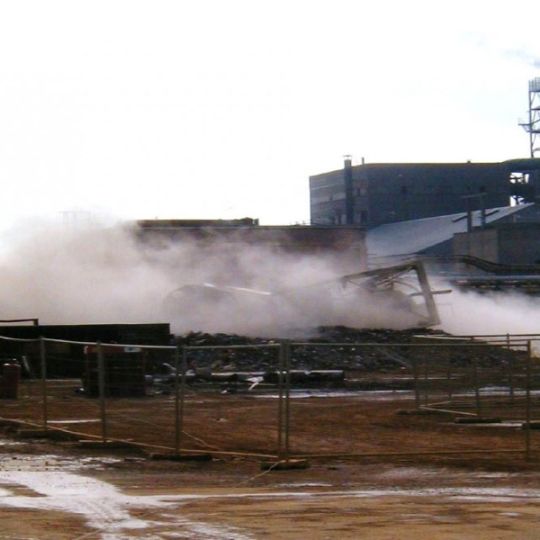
(532, 126)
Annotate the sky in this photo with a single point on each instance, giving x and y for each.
(222, 109)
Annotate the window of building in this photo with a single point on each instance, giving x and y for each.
(363, 217)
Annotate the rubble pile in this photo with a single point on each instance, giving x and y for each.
(378, 350)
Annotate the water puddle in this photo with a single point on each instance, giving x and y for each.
(409, 473)
(10, 443)
(304, 485)
(515, 424)
(376, 395)
(103, 506)
(82, 421)
(50, 462)
(53, 483)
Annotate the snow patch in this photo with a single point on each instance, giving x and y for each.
(104, 507)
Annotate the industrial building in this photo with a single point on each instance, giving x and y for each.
(503, 235)
(347, 243)
(503, 243)
(373, 194)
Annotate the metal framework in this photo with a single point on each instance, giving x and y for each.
(391, 278)
(399, 284)
(494, 276)
(532, 126)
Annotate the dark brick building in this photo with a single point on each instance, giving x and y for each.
(346, 244)
(377, 193)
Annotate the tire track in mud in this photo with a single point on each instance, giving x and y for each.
(105, 508)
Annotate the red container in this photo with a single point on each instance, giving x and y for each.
(9, 383)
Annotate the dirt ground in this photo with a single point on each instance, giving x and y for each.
(234, 500)
(247, 423)
(57, 490)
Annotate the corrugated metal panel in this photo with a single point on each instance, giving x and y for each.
(415, 236)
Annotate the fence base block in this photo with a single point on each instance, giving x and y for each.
(4, 422)
(33, 433)
(84, 443)
(477, 420)
(420, 412)
(285, 465)
(180, 457)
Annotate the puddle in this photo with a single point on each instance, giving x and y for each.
(82, 421)
(103, 506)
(516, 424)
(404, 473)
(50, 462)
(10, 443)
(495, 391)
(377, 395)
(451, 493)
(52, 483)
(464, 493)
(494, 475)
(304, 484)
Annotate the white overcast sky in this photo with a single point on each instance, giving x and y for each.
(222, 109)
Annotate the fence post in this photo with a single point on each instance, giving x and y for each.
(101, 384)
(510, 370)
(416, 389)
(287, 397)
(176, 401)
(43, 359)
(528, 404)
(449, 379)
(511, 377)
(281, 368)
(426, 382)
(179, 393)
(476, 387)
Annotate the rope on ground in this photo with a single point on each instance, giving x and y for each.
(140, 420)
(270, 469)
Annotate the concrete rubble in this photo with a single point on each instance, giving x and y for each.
(392, 351)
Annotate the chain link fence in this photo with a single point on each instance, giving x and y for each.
(281, 400)
(430, 398)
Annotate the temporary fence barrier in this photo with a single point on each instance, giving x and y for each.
(223, 418)
(468, 374)
(120, 395)
(194, 399)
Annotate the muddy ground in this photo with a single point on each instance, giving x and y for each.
(64, 495)
(57, 490)
(324, 422)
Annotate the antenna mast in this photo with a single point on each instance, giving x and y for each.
(532, 126)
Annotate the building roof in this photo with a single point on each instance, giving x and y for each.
(510, 165)
(179, 223)
(418, 235)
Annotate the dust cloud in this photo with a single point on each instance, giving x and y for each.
(465, 313)
(108, 275)
(99, 274)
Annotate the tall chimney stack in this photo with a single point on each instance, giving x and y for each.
(349, 196)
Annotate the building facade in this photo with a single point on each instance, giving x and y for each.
(377, 193)
(507, 243)
(346, 244)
